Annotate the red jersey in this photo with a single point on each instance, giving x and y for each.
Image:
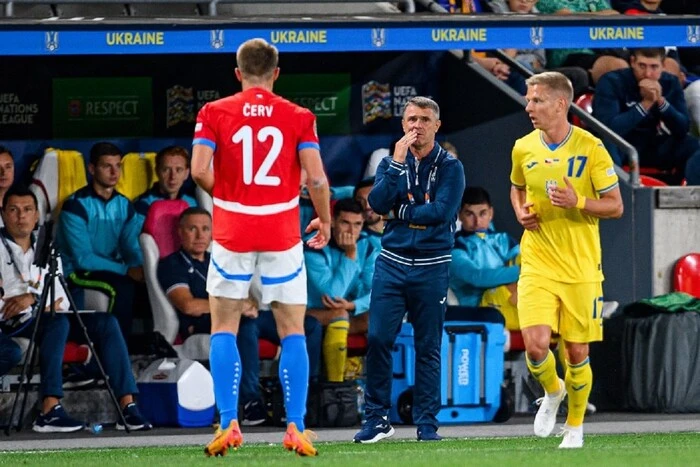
(256, 136)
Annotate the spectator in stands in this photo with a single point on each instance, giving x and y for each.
(501, 71)
(637, 7)
(339, 284)
(534, 60)
(483, 271)
(691, 91)
(596, 63)
(653, 7)
(7, 172)
(173, 168)
(692, 98)
(22, 282)
(183, 277)
(97, 235)
(373, 222)
(646, 107)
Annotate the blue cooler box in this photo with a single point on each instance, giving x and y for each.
(177, 392)
(471, 376)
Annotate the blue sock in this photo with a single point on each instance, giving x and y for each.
(225, 365)
(294, 376)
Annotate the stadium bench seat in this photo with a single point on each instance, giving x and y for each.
(585, 101)
(686, 275)
(648, 180)
(357, 345)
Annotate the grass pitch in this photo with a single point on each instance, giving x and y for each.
(600, 450)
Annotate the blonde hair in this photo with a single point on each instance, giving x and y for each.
(257, 59)
(555, 81)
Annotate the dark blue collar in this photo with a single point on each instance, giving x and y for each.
(430, 158)
(92, 192)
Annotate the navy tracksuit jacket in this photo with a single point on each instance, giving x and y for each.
(411, 273)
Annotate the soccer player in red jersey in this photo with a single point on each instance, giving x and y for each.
(259, 143)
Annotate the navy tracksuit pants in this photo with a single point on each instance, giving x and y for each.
(421, 291)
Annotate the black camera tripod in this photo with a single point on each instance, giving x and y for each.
(46, 254)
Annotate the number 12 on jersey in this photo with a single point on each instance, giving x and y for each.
(245, 136)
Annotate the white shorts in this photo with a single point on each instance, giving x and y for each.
(281, 275)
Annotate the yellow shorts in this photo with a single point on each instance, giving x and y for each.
(499, 298)
(571, 310)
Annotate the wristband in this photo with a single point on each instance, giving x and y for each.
(581, 202)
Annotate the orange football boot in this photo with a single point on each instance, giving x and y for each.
(224, 440)
(299, 442)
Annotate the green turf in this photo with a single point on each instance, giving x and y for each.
(601, 450)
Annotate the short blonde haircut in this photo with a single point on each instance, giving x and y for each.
(555, 81)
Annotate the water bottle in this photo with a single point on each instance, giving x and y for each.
(360, 397)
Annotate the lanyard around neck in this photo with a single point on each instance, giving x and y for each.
(431, 178)
(32, 284)
(192, 269)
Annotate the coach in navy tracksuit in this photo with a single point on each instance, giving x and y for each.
(420, 189)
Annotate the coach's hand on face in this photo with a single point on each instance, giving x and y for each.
(402, 145)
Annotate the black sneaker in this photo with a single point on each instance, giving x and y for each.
(134, 420)
(374, 429)
(253, 413)
(427, 433)
(56, 420)
(75, 377)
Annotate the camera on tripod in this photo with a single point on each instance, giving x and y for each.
(44, 245)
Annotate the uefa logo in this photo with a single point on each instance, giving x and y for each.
(693, 34)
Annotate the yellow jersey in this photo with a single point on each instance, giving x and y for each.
(566, 246)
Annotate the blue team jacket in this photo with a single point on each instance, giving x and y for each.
(480, 263)
(330, 272)
(95, 234)
(420, 230)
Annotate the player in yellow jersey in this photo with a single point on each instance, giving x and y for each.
(563, 182)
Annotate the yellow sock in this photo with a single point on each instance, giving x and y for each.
(561, 353)
(579, 380)
(335, 349)
(545, 372)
